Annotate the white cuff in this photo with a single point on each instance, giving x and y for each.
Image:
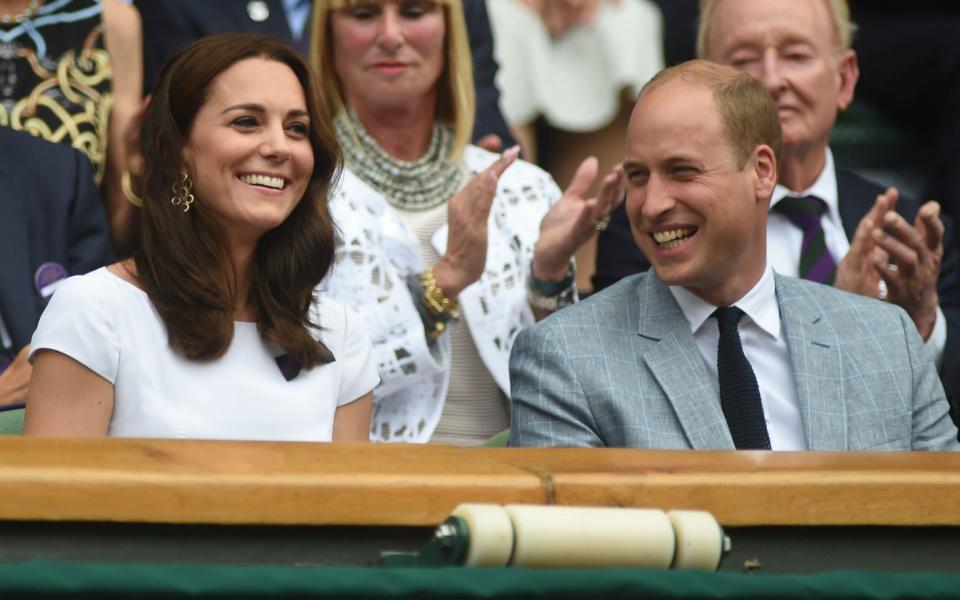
(938, 338)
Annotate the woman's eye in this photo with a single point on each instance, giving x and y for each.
(245, 122)
(362, 11)
(415, 10)
(300, 129)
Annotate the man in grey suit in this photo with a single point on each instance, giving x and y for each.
(802, 365)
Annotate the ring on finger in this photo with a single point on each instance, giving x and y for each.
(602, 223)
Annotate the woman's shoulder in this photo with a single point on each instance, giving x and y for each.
(332, 316)
(102, 287)
(337, 325)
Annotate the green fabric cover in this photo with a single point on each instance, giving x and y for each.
(11, 422)
(498, 440)
(63, 580)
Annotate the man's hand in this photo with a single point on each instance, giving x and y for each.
(916, 251)
(574, 219)
(857, 272)
(15, 379)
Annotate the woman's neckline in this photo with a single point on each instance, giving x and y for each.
(143, 292)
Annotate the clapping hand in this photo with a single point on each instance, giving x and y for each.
(916, 251)
(905, 256)
(857, 272)
(574, 219)
(467, 213)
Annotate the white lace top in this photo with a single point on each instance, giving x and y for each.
(377, 251)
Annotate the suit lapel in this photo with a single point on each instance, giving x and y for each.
(815, 358)
(678, 367)
(855, 197)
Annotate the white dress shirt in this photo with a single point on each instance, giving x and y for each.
(784, 240)
(761, 334)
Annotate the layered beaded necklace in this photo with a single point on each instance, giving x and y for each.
(22, 15)
(419, 185)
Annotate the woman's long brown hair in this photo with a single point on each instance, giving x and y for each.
(184, 264)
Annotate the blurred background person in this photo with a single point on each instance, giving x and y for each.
(172, 24)
(569, 73)
(432, 227)
(52, 225)
(70, 72)
(213, 330)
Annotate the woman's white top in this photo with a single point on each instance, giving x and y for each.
(575, 80)
(377, 251)
(475, 409)
(111, 327)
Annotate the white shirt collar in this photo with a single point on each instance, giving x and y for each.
(825, 188)
(759, 304)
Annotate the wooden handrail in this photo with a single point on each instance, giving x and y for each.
(172, 481)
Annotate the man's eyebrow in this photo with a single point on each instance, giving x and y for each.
(630, 165)
(680, 159)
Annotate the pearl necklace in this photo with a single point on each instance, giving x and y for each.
(421, 185)
(23, 15)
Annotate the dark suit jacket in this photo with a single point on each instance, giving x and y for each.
(169, 25)
(618, 256)
(50, 211)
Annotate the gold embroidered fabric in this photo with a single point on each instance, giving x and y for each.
(56, 79)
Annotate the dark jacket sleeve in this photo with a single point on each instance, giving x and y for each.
(88, 240)
(948, 291)
(166, 29)
(489, 117)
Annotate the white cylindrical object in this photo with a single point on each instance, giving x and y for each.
(566, 536)
(490, 536)
(699, 540)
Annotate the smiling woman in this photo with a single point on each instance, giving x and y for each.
(213, 329)
(433, 229)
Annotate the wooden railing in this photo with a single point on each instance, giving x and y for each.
(167, 481)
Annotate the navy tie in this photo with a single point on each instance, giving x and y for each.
(739, 392)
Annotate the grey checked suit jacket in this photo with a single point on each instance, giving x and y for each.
(622, 369)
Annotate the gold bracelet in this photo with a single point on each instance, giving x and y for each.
(127, 190)
(442, 308)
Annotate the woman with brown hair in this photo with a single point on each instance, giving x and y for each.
(212, 330)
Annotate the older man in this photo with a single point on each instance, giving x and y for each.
(828, 224)
(713, 349)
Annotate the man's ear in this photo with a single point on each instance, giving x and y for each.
(764, 164)
(848, 70)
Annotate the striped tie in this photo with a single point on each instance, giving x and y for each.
(816, 263)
